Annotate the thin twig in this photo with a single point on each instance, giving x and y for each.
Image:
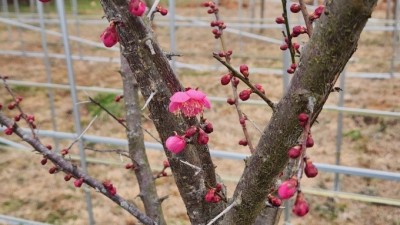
(198, 169)
(306, 132)
(223, 212)
(306, 17)
(108, 112)
(235, 73)
(290, 45)
(83, 132)
(117, 151)
(253, 123)
(152, 10)
(151, 135)
(23, 115)
(149, 99)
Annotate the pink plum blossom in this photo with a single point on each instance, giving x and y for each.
(190, 102)
(137, 7)
(109, 36)
(175, 144)
(287, 189)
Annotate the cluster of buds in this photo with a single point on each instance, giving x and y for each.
(219, 27)
(161, 10)
(163, 173)
(213, 8)
(177, 143)
(214, 194)
(285, 46)
(297, 30)
(110, 187)
(226, 54)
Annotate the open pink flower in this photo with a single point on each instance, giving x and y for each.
(109, 36)
(137, 7)
(287, 189)
(175, 144)
(190, 102)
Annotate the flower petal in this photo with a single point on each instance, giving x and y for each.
(197, 95)
(179, 97)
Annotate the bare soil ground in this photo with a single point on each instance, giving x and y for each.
(29, 192)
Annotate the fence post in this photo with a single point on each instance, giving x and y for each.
(339, 129)
(172, 29)
(75, 106)
(47, 65)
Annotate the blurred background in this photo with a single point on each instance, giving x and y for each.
(55, 60)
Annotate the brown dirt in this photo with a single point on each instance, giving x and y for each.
(28, 191)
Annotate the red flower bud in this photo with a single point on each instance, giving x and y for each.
(9, 131)
(166, 164)
(295, 8)
(190, 132)
(202, 137)
(245, 94)
(12, 105)
(300, 207)
(230, 101)
(67, 177)
(208, 128)
(310, 169)
(43, 161)
(290, 71)
(244, 69)
(109, 37)
(225, 79)
(319, 10)
(260, 88)
(53, 170)
(275, 201)
(294, 152)
(287, 189)
(218, 187)
(295, 46)
(303, 117)
(64, 151)
(284, 47)
(236, 81)
(280, 20)
(243, 142)
(129, 166)
(118, 98)
(309, 141)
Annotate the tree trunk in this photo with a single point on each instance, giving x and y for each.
(151, 69)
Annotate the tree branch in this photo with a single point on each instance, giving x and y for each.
(333, 42)
(69, 168)
(137, 150)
